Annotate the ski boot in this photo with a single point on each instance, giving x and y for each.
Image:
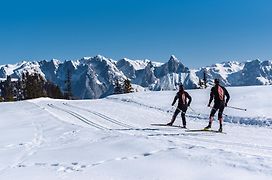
(220, 128)
(169, 124)
(208, 127)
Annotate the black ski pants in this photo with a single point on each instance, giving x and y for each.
(218, 106)
(183, 110)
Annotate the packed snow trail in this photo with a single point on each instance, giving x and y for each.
(112, 138)
(78, 116)
(102, 116)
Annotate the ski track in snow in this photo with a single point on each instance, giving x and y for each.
(258, 121)
(78, 116)
(180, 141)
(195, 136)
(102, 116)
(195, 146)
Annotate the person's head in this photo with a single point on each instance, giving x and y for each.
(181, 88)
(216, 81)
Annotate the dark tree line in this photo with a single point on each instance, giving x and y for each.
(7, 90)
(68, 83)
(203, 82)
(121, 88)
(30, 86)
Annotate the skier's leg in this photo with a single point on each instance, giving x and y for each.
(184, 109)
(220, 125)
(183, 119)
(173, 117)
(210, 123)
(213, 111)
(220, 118)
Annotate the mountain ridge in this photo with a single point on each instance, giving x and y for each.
(94, 77)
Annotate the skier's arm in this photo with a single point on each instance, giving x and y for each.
(175, 99)
(211, 96)
(228, 96)
(190, 99)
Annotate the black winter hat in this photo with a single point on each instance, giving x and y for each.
(216, 81)
(181, 86)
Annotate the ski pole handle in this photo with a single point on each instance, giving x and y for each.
(242, 109)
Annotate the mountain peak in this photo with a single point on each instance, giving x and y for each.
(173, 58)
(100, 57)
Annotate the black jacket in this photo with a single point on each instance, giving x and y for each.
(215, 94)
(182, 96)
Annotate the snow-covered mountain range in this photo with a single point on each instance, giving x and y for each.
(94, 77)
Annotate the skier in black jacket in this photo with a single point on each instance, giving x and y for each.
(182, 96)
(218, 94)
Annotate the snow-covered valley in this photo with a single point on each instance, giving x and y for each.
(112, 138)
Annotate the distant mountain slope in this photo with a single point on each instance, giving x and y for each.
(94, 77)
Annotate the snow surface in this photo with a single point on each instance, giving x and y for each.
(112, 138)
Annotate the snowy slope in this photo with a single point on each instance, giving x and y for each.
(112, 138)
(222, 71)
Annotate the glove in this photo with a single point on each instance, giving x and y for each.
(172, 104)
(209, 105)
(188, 105)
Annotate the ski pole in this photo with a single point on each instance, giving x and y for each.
(216, 110)
(194, 111)
(242, 109)
(198, 114)
(177, 108)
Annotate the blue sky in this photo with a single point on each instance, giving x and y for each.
(198, 32)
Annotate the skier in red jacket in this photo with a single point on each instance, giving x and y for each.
(218, 94)
(182, 96)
